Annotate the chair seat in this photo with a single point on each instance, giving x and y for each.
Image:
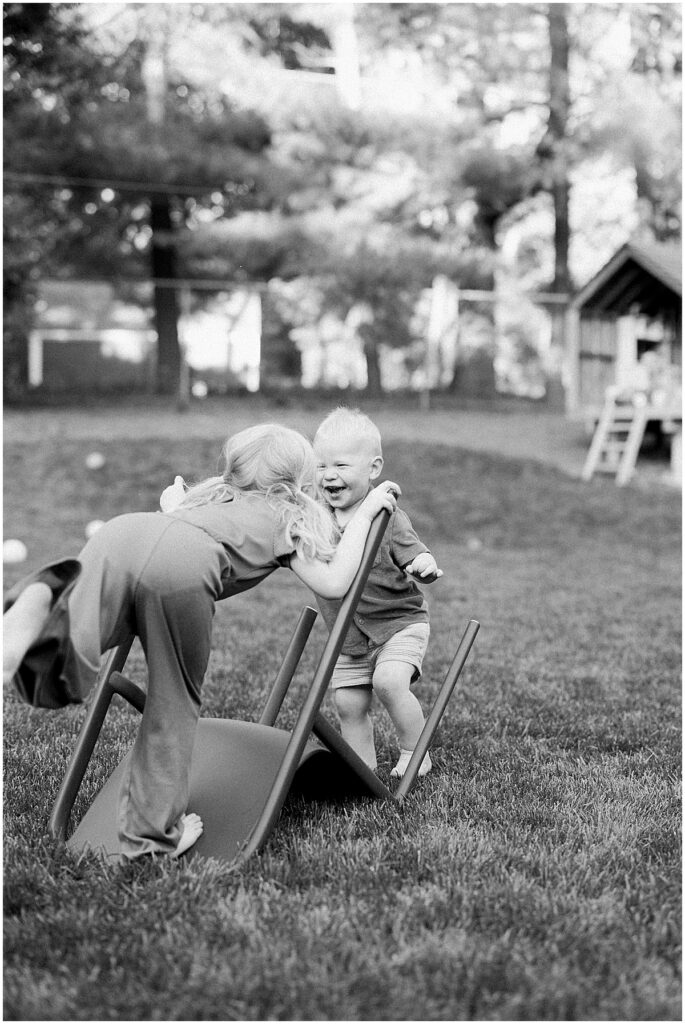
(233, 770)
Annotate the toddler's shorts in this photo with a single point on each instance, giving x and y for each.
(407, 645)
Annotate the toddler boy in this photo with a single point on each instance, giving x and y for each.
(387, 639)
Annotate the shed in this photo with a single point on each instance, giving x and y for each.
(630, 307)
(87, 338)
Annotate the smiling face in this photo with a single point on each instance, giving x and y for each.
(346, 466)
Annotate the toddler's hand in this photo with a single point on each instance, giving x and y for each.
(424, 567)
(172, 496)
(383, 496)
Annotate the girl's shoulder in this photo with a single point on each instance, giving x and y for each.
(247, 508)
(253, 505)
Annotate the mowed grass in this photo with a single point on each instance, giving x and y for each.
(534, 875)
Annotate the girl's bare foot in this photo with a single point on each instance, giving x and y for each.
(22, 625)
(191, 830)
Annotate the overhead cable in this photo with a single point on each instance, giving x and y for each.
(67, 181)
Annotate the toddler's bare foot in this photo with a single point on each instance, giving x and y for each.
(403, 763)
(22, 625)
(191, 830)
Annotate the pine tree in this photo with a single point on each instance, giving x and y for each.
(126, 146)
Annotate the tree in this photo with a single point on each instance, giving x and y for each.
(638, 113)
(509, 131)
(538, 89)
(42, 52)
(371, 216)
(179, 145)
(381, 278)
(470, 58)
(264, 136)
(552, 151)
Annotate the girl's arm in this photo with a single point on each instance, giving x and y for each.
(334, 578)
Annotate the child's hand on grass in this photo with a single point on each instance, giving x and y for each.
(172, 496)
(424, 568)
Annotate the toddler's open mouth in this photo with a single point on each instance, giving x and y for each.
(334, 491)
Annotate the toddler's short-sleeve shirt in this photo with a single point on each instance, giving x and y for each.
(390, 600)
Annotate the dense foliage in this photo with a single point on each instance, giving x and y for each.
(138, 136)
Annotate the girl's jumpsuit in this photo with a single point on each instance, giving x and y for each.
(156, 576)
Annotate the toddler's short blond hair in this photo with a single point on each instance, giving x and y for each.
(344, 422)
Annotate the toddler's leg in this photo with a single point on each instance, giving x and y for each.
(391, 682)
(22, 625)
(353, 704)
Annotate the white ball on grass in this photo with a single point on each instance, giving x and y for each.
(93, 526)
(14, 551)
(95, 460)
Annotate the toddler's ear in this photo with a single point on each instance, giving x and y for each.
(376, 467)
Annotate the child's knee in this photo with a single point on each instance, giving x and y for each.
(391, 680)
(352, 702)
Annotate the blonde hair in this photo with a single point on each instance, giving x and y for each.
(344, 422)
(278, 463)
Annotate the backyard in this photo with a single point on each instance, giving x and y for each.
(533, 875)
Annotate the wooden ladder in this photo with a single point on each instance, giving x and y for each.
(617, 439)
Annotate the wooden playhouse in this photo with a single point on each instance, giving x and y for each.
(631, 306)
(625, 347)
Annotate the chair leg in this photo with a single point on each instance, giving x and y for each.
(287, 669)
(314, 698)
(87, 738)
(437, 711)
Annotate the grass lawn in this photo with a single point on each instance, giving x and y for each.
(534, 875)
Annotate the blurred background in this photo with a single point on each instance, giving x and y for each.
(458, 201)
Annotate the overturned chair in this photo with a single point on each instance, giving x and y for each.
(242, 772)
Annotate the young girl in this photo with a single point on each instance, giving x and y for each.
(158, 576)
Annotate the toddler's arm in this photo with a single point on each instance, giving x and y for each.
(409, 553)
(333, 579)
(424, 568)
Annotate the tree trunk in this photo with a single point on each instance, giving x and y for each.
(374, 383)
(559, 106)
(15, 372)
(163, 259)
(18, 304)
(155, 32)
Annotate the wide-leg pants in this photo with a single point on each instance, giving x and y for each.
(156, 577)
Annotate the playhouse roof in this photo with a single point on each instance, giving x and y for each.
(648, 276)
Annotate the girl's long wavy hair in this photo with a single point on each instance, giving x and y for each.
(280, 464)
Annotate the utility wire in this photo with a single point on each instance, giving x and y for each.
(67, 181)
